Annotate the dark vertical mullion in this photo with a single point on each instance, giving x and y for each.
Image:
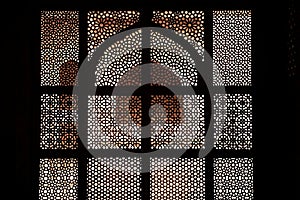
(82, 158)
(208, 108)
(82, 175)
(209, 177)
(145, 18)
(145, 181)
(255, 76)
(208, 46)
(35, 119)
(254, 89)
(208, 31)
(83, 35)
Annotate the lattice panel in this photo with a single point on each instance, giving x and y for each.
(177, 121)
(235, 110)
(233, 178)
(112, 124)
(104, 24)
(58, 179)
(232, 48)
(59, 48)
(59, 121)
(177, 179)
(113, 178)
(189, 24)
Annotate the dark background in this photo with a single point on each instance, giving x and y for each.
(276, 147)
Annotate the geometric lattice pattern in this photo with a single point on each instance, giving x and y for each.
(113, 178)
(235, 111)
(59, 48)
(189, 24)
(174, 57)
(133, 76)
(161, 75)
(177, 121)
(104, 24)
(119, 59)
(232, 48)
(58, 121)
(177, 178)
(58, 179)
(112, 123)
(233, 178)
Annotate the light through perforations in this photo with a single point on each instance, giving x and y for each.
(58, 179)
(189, 24)
(232, 48)
(110, 123)
(177, 179)
(236, 133)
(118, 59)
(59, 48)
(104, 24)
(177, 121)
(59, 121)
(132, 77)
(162, 75)
(113, 178)
(174, 57)
(233, 178)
